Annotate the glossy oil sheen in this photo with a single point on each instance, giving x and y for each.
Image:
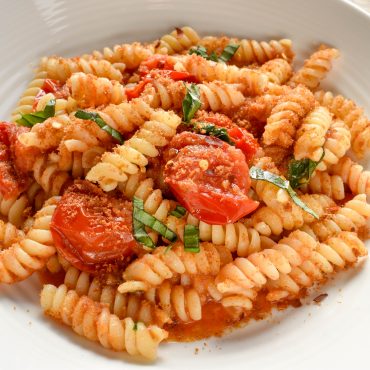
(334, 334)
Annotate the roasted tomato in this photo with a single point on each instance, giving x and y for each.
(14, 157)
(209, 177)
(91, 229)
(242, 139)
(157, 61)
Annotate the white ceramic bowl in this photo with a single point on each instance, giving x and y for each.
(334, 334)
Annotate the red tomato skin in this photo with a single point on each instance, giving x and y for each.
(88, 232)
(203, 193)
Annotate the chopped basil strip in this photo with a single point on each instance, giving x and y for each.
(140, 233)
(200, 50)
(228, 52)
(259, 174)
(191, 239)
(148, 220)
(225, 56)
(92, 116)
(178, 212)
(191, 102)
(135, 326)
(31, 119)
(300, 171)
(209, 129)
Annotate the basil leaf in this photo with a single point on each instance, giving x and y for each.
(199, 50)
(300, 171)
(191, 102)
(92, 116)
(178, 212)
(259, 174)
(134, 328)
(213, 56)
(148, 220)
(191, 239)
(212, 130)
(140, 233)
(228, 52)
(31, 119)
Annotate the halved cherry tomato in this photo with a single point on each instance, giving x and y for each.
(209, 178)
(155, 62)
(13, 179)
(136, 91)
(91, 229)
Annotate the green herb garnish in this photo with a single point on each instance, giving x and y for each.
(191, 239)
(209, 129)
(148, 220)
(92, 116)
(191, 102)
(259, 174)
(300, 171)
(31, 119)
(178, 212)
(139, 231)
(225, 56)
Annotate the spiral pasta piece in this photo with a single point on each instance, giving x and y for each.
(122, 305)
(215, 96)
(352, 216)
(251, 51)
(177, 41)
(30, 254)
(25, 103)
(178, 301)
(130, 55)
(9, 234)
(353, 175)
(93, 321)
(90, 91)
(130, 157)
(310, 137)
(277, 70)
(154, 268)
(315, 68)
(286, 115)
(254, 82)
(296, 262)
(352, 115)
(323, 183)
(48, 175)
(62, 106)
(62, 68)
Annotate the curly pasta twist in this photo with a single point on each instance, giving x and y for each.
(25, 103)
(178, 40)
(310, 137)
(122, 305)
(254, 82)
(30, 254)
(130, 157)
(94, 321)
(90, 91)
(296, 261)
(315, 68)
(62, 106)
(48, 175)
(154, 268)
(353, 175)
(215, 96)
(352, 115)
(130, 55)
(9, 234)
(251, 51)
(62, 68)
(278, 71)
(285, 117)
(351, 217)
(323, 183)
(178, 301)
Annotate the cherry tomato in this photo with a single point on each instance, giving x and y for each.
(13, 177)
(155, 62)
(91, 229)
(209, 177)
(134, 92)
(55, 87)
